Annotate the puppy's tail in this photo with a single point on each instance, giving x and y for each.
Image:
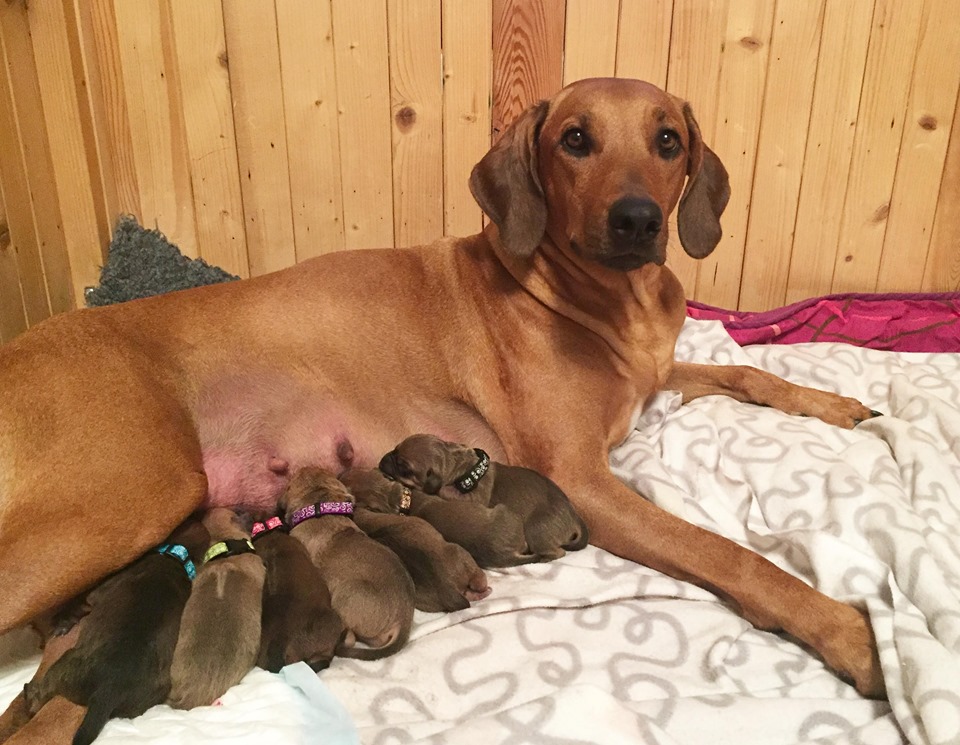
(98, 714)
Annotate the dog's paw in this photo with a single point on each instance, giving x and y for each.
(832, 408)
(850, 649)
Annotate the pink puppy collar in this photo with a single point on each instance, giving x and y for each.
(319, 510)
(265, 527)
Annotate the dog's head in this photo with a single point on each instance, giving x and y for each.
(599, 168)
(372, 489)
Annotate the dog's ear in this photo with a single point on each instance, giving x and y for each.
(506, 184)
(704, 198)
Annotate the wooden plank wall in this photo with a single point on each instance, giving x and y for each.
(258, 133)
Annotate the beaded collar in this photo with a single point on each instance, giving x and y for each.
(404, 508)
(273, 523)
(468, 482)
(229, 547)
(319, 510)
(181, 554)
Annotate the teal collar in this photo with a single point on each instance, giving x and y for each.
(181, 554)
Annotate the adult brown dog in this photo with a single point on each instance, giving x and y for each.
(536, 340)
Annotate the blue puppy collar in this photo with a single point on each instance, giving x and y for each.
(180, 553)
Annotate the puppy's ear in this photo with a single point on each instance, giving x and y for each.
(506, 184)
(705, 197)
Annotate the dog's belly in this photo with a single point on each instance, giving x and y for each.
(255, 431)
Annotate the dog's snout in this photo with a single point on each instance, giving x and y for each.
(634, 220)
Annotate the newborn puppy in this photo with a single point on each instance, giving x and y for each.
(298, 622)
(369, 587)
(55, 646)
(493, 537)
(457, 472)
(120, 665)
(445, 576)
(220, 631)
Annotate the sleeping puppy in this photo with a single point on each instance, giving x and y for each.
(369, 587)
(220, 631)
(120, 665)
(298, 621)
(493, 537)
(457, 472)
(445, 576)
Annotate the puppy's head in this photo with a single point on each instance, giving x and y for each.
(310, 485)
(599, 168)
(427, 463)
(372, 489)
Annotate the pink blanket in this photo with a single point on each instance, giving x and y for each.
(900, 322)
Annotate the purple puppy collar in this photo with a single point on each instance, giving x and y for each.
(319, 510)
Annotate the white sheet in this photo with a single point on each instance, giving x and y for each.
(594, 649)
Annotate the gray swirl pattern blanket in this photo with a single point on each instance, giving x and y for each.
(594, 649)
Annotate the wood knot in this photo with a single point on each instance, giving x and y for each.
(405, 118)
(223, 60)
(751, 42)
(881, 213)
(928, 122)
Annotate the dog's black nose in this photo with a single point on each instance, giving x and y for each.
(634, 220)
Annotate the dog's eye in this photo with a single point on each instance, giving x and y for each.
(668, 143)
(575, 141)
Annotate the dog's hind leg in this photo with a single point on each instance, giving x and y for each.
(83, 494)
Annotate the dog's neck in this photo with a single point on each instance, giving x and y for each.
(620, 307)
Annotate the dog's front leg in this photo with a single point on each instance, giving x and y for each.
(630, 526)
(752, 385)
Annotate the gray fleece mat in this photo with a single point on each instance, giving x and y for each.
(142, 262)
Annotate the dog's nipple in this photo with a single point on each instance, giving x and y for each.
(345, 453)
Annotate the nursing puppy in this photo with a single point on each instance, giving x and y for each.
(493, 537)
(445, 576)
(457, 472)
(220, 631)
(120, 665)
(298, 621)
(369, 586)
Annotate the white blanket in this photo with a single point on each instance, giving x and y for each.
(594, 649)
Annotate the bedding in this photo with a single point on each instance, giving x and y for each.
(595, 649)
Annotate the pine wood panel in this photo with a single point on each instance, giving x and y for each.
(253, 59)
(527, 55)
(467, 40)
(103, 71)
(211, 145)
(743, 77)
(44, 212)
(155, 121)
(416, 84)
(13, 317)
(886, 86)
(942, 270)
(308, 68)
(833, 121)
(53, 28)
(24, 245)
(923, 148)
(643, 40)
(363, 90)
(780, 153)
(590, 41)
(696, 48)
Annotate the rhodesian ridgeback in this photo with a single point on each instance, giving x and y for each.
(537, 340)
